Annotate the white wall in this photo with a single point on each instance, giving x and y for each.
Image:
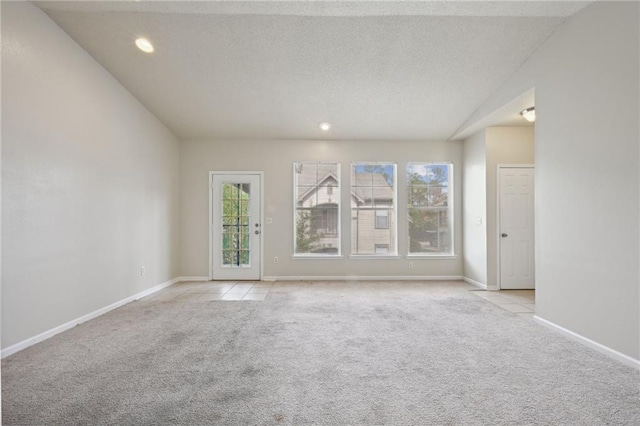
(474, 204)
(89, 182)
(275, 159)
(482, 153)
(505, 145)
(587, 182)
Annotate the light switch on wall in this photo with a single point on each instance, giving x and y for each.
(479, 220)
(268, 220)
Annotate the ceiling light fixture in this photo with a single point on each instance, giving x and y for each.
(529, 114)
(325, 126)
(144, 45)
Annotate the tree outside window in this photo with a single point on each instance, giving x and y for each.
(429, 208)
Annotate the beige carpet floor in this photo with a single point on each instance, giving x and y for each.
(337, 353)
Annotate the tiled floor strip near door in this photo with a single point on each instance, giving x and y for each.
(213, 291)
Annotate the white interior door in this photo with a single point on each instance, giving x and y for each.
(516, 233)
(236, 231)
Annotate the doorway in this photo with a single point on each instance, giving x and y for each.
(235, 232)
(516, 227)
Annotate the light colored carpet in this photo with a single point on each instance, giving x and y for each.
(318, 353)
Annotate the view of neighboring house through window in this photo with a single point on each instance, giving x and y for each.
(429, 208)
(373, 209)
(317, 208)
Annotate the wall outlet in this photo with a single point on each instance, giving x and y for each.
(143, 271)
(410, 265)
(275, 259)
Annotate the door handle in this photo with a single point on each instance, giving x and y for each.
(504, 235)
(257, 232)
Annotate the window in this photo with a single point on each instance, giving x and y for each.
(382, 219)
(430, 208)
(373, 209)
(236, 237)
(317, 208)
(382, 248)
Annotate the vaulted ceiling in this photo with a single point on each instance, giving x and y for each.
(275, 70)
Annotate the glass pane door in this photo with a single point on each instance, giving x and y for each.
(236, 219)
(236, 229)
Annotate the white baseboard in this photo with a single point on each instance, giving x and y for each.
(475, 283)
(364, 278)
(180, 279)
(68, 325)
(612, 353)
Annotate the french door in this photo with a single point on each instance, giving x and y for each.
(236, 225)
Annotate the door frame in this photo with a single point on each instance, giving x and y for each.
(497, 235)
(210, 186)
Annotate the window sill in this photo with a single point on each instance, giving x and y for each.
(315, 257)
(431, 256)
(374, 256)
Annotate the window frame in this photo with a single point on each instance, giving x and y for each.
(393, 207)
(338, 201)
(450, 210)
(386, 216)
(380, 246)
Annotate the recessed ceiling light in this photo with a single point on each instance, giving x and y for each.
(325, 126)
(529, 114)
(144, 45)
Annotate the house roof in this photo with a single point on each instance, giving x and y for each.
(312, 174)
(371, 186)
(304, 192)
(365, 186)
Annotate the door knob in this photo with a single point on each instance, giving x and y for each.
(257, 232)
(505, 235)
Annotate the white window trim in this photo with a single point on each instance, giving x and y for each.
(435, 256)
(391, 255)
(374, 256)
(339, 224)
(315, 257)
(451, 209)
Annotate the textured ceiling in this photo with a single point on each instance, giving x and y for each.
(414, 70)
(507, 115)
(522, 8)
